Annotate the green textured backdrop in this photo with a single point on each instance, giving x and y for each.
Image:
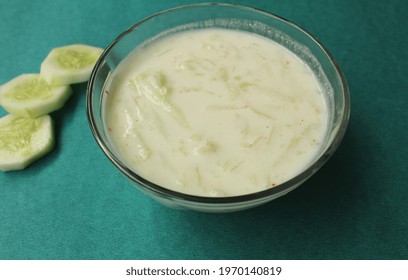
(73, 204)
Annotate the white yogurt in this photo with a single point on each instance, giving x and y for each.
(215, 113)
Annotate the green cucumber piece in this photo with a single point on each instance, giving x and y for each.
(154, 87)
(29, 95)
(24, 140)
(69, 64)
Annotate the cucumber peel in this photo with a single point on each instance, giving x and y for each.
(29, 95)
(69, 64)
(24, 140)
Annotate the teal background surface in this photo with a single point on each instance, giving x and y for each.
(73, 204)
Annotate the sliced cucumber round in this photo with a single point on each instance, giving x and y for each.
(23, 140)
(29, 95)
(70, 64)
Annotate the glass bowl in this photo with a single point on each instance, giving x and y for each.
(230, 16)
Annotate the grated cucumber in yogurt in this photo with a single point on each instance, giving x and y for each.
(215, 112)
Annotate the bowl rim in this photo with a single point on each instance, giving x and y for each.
(260, 195)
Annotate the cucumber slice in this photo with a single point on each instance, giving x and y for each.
(70, 64)
(29, 95)
(23, 140)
